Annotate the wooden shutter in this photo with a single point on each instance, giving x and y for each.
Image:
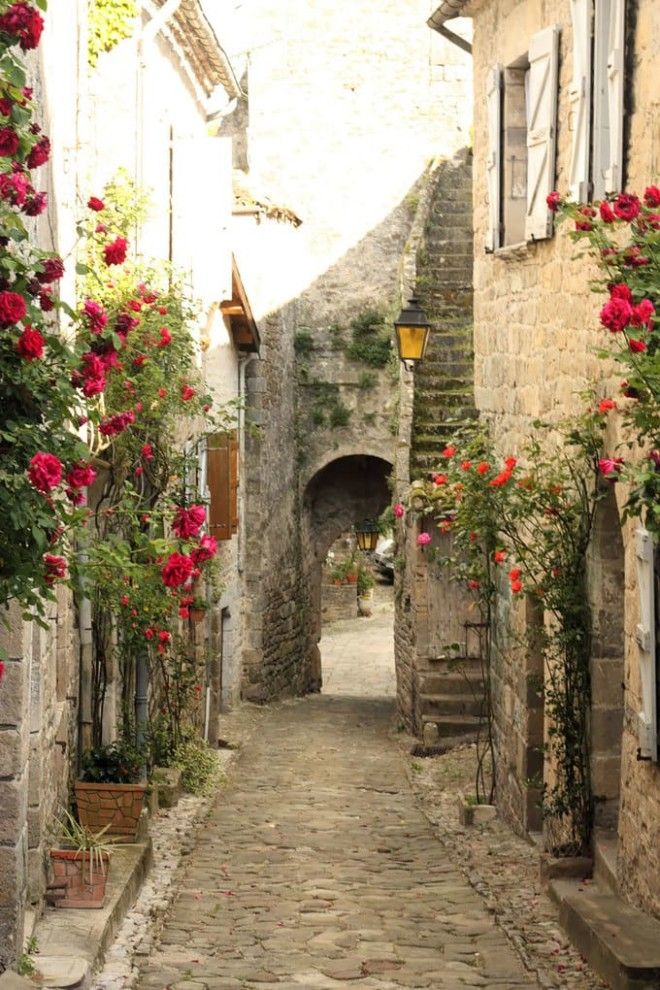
(609, 51)
(218, 474)
(579, 98)
(233, 482)
(494, 163)
(648, 717)
(541, 131)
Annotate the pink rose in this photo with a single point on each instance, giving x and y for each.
(643, 313)
(616, 314)
(45, 472)
(610, 467)
(553, 201)
(207, 549)
(55, 567)
(80, 475)
(177, 570)
(423, 539)
(399, 511)
(188, 522)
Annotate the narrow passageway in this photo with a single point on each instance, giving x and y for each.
(317, 869)
(357, 655)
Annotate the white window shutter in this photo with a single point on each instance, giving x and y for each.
(494, 163)
(609, 53)
(648, 717)
(579, 97)
(541, 131)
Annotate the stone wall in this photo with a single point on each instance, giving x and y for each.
(338, 602)
(533, 354)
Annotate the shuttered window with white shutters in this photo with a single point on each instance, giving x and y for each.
(494, 165)
(647, 579)
(609, 53)
(541, 131)
(579, 96)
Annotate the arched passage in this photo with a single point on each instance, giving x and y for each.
(342, 492)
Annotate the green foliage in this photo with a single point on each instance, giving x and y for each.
(92, 846)
(367, 380)
(303, 343)
(325, 408)
(365, 580)
(109, 22)
(339, 415)
(118, 763)
(200, 767)
(371, 339)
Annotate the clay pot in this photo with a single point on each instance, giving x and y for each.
(79, 884)
(351, 578)
(118, 806)
(196, 614)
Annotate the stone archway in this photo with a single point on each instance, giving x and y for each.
(343, 491)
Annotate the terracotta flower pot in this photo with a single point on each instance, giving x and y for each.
(82, 883)
(116, 805)
(196, 614)
(351, 578)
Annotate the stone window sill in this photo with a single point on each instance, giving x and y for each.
(513, 251)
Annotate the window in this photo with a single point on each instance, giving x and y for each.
(522, 126)
(222, 481)
(596, 98)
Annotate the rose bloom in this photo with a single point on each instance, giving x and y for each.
(165, 337)
(8, 142)
(14, 187)
(177, 570)
(96, 204)
(39, 154)
(423, 539)
(12, 308)
(188, 522)
(45, 471)
(147, 452)
(472, 584)
(588, 212)
(207, 549)
(97, 316)
(605, 405)
(626, 207)
(621, 291)
(448, 451)
(643, 313)
(483, 467)
(35, 204)
(606, 212)
(184, 612)
(440, 479)
(53, 270)
(187, 393)
(399, 511)
(616, 314)
(80, 475)
(636, 346)
(499, 556)
(24, 23)
(553, 201)
(55, 567)
(610, 466)
(652, 196)
(148, 633)
(30, 344)
(516, 587)
(115, 252)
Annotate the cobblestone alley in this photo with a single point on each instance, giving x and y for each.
(317, 869)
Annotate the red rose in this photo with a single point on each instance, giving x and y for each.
(621, 291)
(184, 613)
(8, 142)
(39, 154)
(483, 467)
(553, 200)
(164, 636)
(45, 301)
(53, 270)
(23, 23)
(80, 475)
(652, 196)
(187, 393)
(115, 252)
(35, 204)
(626, 206)
(30, 344)
(500, 479)
(177, 570)
(606, 212)
(148, 634)
(96, 315)
(516, 587)
(207, 549)
(605, 405)
(55, 567)
(139, 471)
(616, 314)
(636, 346)
(448, 451)
(147, 452)
(165, 337)
(588, 212)
(499, 556)
(45, 472)
(188, 522)
(14, 187)
(643, 313)
(12, 308)
(610, 466)
(96, 204)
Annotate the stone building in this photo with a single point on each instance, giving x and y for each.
(146, 108)
(565, 97)
(341, 134)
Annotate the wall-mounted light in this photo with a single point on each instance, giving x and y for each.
(366, 534)
(412, 331)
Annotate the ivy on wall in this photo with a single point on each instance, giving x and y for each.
(110, 21)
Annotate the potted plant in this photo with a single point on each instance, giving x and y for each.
(110, 792)
(197, 609)
(80, 866)
(365, 582)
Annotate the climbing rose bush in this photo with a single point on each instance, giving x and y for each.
(622, 235)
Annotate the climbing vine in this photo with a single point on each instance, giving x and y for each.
(517, 531)
(109, 22)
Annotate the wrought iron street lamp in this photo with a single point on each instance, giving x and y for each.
(366, 534)
(412, 331)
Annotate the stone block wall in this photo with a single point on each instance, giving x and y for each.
(534, 341)
(338, 602)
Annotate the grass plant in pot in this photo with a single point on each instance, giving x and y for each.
(79, 864)
(110, 793)
(197, 609)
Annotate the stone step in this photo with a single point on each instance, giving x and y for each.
(620, 942)
(450, 704)
(605, 857)
(453, 725)
(452, 681)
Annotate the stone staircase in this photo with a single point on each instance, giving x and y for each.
(450, 697)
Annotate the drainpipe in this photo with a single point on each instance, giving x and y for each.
(447, 10)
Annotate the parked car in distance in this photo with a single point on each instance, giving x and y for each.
(384, 557)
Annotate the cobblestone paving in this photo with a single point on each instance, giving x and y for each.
(317, 869)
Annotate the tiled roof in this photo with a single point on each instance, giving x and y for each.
(196, 39)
